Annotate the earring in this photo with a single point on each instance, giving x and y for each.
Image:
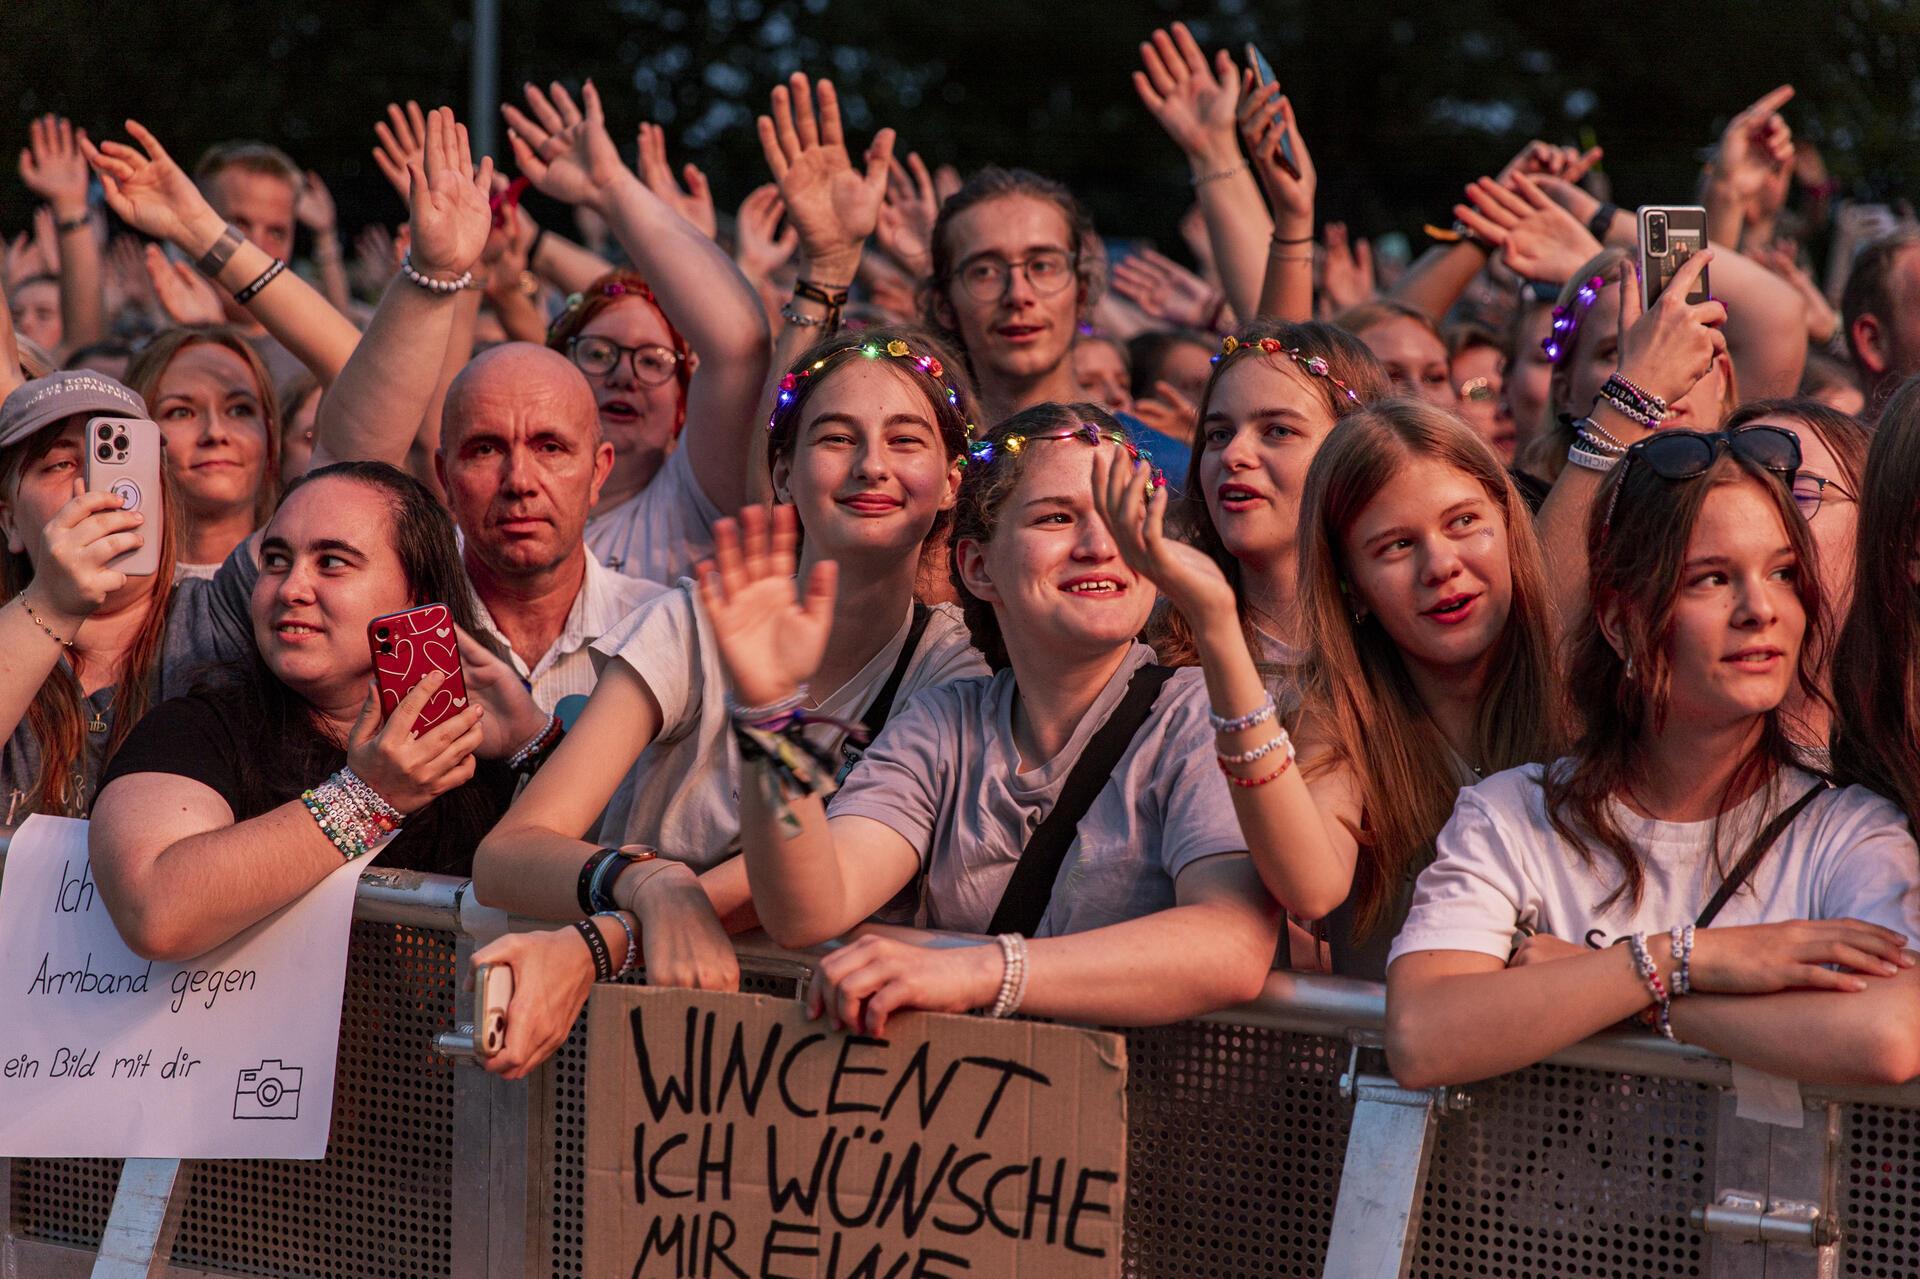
(1629, 668)
(1359, 616)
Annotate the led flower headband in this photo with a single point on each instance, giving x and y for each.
(1566, 319)
(1314, 365)
(987, 452)
(899, 350)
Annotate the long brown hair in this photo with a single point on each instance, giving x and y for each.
(1620, 698)
(1356, 684)
(1348, 359)
(54, 716)
(1876, 664)
(150, 366)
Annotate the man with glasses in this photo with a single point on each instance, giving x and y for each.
(1015, 269)
(522, 458)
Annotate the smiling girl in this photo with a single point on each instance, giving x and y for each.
(1681, 792)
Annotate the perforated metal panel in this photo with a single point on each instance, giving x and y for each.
(1880, 1194)
(378, 1207)
(1555, 1172)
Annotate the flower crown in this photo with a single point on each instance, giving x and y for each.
(899, 350)
(1566, 319)
(1315, 365)
(987, 452)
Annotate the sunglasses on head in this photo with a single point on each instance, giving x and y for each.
(1687, 455)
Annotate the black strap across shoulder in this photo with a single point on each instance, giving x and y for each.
(1744, 868)
(1031, 887)
(874, 718)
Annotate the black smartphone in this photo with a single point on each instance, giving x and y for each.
(1263, 74)
(1669, 235)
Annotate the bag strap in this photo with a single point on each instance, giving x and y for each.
(1030, 888)
(874, 718)
(1750, 861)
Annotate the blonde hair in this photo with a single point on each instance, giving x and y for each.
(150, 366)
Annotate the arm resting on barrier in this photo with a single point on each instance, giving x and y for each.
(180, 877)
(1814, 1036)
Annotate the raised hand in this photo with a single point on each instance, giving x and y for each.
(182, 292)
(1168, 412)
(907, 216)
(1196, 103)
(54, 167)
(760, 246)
(1756, 149)
(512, 719)
(832, 205)
(1544, 159)
(447, 209)
(1347, 272)
(153, 194)
(375, 260)
(771, 640)
(1135, 515)
(1266, 116)
(313, 207)
(564, 149)
(402, 136)
(410, 771)
(1537, 239)
(1165, 290)
(1668, 349)
(694, 202)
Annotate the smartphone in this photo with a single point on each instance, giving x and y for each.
(1263, 74)
(406, 648)
(1669, 235)
(492, 992)
(504, 200)
(123, 458)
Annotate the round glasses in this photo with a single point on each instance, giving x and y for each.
(1809, 491)
(653, 365)
(986, 278)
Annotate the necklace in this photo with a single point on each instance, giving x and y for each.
(98, 724)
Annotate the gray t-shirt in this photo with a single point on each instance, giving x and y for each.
(662, 531)
(945, 775)
(208, 628)
(683, 795)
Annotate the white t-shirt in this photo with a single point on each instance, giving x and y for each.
(944, 775)
(1499, 864)
(683, 796)
(662, 531)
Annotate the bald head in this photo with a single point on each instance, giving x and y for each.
(519, 380)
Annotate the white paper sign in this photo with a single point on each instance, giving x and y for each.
(104, 1054)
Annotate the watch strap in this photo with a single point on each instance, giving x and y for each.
(214, 260)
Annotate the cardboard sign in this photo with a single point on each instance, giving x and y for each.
(729, 1136)
(104, 1054)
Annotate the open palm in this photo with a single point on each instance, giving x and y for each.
(1135, 515)
(447, 208)
(147, 191)
(564, 150)
(833, 205)
(770, 639)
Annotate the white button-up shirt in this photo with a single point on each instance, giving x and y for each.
(567, 668)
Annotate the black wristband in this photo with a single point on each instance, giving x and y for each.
(584, 892)
(533, 246)
(1602, 220)
(597, 946)
(64, 225)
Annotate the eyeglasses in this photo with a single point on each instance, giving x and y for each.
(1687, 455)
(1478, 390)
(986, 278)
(653, 365)
(1809, 491)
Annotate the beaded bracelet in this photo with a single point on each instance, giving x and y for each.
(1248, 783)
(1218, 175)
(632, 960)
(1626, 407)
(1259, 715)
(1683, 960)
(442, 287)
(529, 757)
(353, 816)
(22, 597)
(792, 316)
(260, 282)
(1647, 400)
(1013, 975)
(597, 947)
(1281, 742)
(774, 713)
(1650, 974)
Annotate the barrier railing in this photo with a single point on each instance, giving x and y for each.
(1265, 1141)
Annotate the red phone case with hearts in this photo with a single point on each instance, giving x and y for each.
(406, 648)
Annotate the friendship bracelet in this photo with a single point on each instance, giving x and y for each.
(265, 278)
(1650, 974)
(214, 260)
(1683, 960)
(1646, 399)
(792, 316)
(1248, 783)
(1586, 459)
(80, 223)
(632, 960)
(1217, 175)
(597, 947)
(353, 816)
(1627, 408)
(443, 288)
(1013, 975)
(1259, 715)
(530, 756)
(1601, 434)
(37, 621)
(1282, 742)
(757, 716)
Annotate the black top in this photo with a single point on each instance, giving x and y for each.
(193, 736)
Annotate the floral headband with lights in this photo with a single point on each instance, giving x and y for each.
(1566, 319)
(1314, 365)
(987, 452)
(897, 349)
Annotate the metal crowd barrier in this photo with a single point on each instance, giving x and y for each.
(1266, 1141)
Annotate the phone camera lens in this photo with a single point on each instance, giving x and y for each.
(106, 452)
(105, 430)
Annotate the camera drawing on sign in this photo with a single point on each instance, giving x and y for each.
(270, 1090)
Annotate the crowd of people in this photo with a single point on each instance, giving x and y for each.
(1037, 622)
